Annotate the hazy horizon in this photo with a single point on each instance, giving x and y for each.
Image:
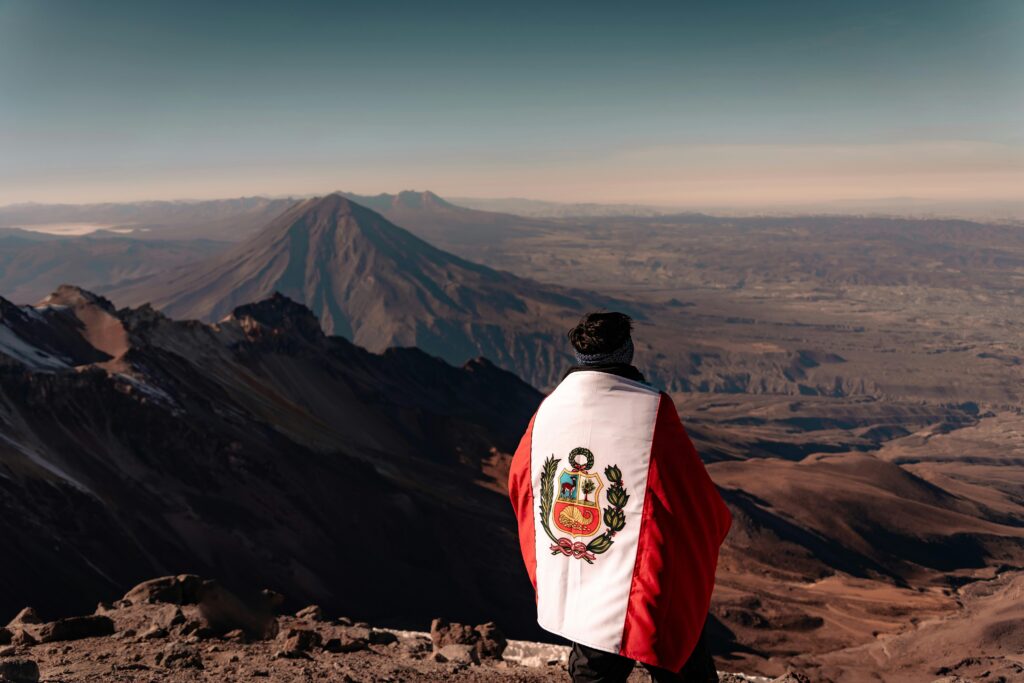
(669, 105)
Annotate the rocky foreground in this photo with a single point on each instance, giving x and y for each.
(184, 628)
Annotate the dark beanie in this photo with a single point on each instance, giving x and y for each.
(603, 338)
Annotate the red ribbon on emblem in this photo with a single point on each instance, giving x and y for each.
(567, 548)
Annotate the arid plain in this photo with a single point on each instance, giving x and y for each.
(879, 479)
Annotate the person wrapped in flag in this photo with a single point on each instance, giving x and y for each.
(619, 523)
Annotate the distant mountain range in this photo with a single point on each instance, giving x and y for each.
(536, 208)
(32, 264)
(379, 285)
(218, 219)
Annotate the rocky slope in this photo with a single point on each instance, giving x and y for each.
(183, 628)
(259, 450)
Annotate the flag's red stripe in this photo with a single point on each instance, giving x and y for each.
(520, 486)
(684, 522)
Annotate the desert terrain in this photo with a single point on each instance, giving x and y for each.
(853, 382)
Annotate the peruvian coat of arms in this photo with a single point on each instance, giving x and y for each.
(571, 500)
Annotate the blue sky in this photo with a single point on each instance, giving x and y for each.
(677, 102)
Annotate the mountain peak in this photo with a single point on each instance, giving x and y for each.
(335, 202)
(277, 316)
(74, 296)
(411, 199)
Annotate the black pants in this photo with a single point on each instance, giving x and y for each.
(587, 665)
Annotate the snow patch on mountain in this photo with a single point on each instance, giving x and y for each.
(31, 356)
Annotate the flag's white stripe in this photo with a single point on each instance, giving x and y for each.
(613, 417)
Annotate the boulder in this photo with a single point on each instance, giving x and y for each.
(26, 616)
(76, 628)
(178, 590)
(443, 632)
(457, 654)
(299, 640)
(222, 611)
(311, 613)
(19, 671)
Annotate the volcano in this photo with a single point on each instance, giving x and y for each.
(380, 286)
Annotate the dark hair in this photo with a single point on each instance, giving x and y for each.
(600, 332)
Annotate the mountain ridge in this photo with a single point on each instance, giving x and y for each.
(248, 447)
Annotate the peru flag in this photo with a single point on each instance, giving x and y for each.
(619, 523)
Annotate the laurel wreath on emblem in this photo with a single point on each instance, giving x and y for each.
(614, 514)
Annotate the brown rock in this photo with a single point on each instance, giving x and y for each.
(8, 651)
(492, 641)
(154, 632)
(25, 616)
(189, 627)
(443, 632)
(486, 639)
(792, 677)
(358, 632)
(346, 643)
(19, 671)
(457, 654)
(168, 616)
(299, 640)
(222, 611)
(23, 638)
(178, 590)
(180, 657)
(236, 636)
(76, 628)
(311, 613)
(415, 647)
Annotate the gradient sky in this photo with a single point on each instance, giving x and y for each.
(682, 103)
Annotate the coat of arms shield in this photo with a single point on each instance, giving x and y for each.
(576, 510)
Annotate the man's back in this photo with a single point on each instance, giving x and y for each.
(586, 593)
(619, 523)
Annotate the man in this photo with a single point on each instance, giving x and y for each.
(619, 523)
